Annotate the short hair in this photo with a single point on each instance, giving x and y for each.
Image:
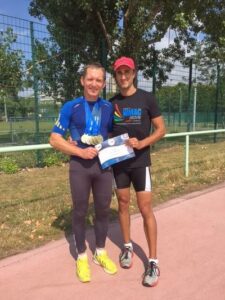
(93, 65)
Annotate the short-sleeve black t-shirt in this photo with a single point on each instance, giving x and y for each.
(133, 115)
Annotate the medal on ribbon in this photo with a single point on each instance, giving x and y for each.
(92, 134)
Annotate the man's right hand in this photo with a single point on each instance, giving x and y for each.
(88, 153)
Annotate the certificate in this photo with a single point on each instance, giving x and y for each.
(114, 150)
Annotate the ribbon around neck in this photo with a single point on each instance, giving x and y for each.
(93, 118)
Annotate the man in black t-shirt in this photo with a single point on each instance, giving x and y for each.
(135, 111)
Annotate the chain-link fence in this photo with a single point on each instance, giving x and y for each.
(39, 72)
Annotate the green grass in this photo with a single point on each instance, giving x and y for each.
(23, 126)
(23, 132)
(46, 126)
(35, 204)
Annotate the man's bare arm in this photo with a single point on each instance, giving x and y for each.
(156, 135)
(59, 143)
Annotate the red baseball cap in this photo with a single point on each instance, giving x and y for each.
(124, 61)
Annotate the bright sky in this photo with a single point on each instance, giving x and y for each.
(17, 8)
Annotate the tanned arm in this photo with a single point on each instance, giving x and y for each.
(59, 143)
(156, 135)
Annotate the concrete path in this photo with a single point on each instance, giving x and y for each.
(191, 248)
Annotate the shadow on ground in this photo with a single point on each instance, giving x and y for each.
(63, 222)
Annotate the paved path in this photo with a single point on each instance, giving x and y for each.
(191, 248)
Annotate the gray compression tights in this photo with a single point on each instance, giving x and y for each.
(86, 175)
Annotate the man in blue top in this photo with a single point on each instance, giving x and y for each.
(89, 120)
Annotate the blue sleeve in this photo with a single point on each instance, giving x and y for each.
(63, 121)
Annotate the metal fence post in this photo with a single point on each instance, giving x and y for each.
(11, 130)
(189, 96)
(180, 104)
(217, 99)
(35, 87)
(154, 72)
(194, 106)
(153, 83)
(187, 155)
(103, 60)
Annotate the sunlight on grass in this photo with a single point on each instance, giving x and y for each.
(35, 204)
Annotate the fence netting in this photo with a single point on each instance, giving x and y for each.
(40, 72)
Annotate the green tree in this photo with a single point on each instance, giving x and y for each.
(209, 57)
(11, 75)
(169, 97)
(56, 69)
(131, 27)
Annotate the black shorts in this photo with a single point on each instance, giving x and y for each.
(139, 177)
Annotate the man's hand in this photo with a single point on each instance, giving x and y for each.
(156, 135)
(88, 153)
(134, 143)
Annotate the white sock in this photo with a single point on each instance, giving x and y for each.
(128, 245)
(82, 255)
(155, 260)
(99, 251)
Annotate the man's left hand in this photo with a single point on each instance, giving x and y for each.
(134, 143)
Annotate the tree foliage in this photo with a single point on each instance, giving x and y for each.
(133, 28)
(56, 70)
(129, 26)
(10, 64)
(11, 75)
(175, 98)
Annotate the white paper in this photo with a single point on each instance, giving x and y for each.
(114, 150)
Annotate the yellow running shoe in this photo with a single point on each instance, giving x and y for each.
(104, 261)
(83, 269)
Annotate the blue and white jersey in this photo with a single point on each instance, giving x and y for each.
(72, 117)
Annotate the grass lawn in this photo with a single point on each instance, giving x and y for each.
(35, 205)
(26, 126)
